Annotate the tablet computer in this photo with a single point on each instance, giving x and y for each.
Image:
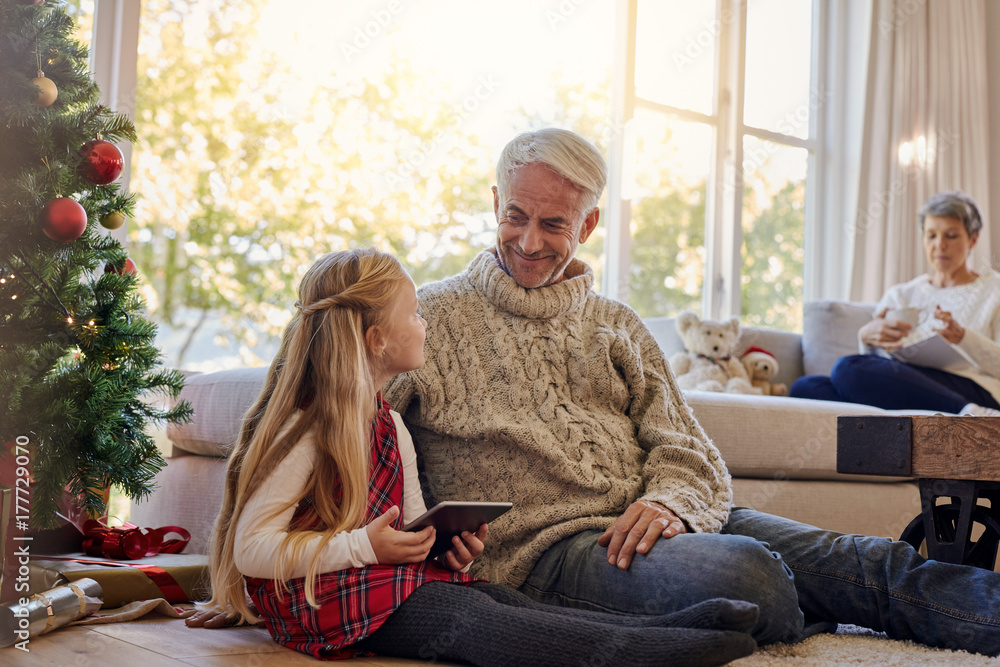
(452, 517)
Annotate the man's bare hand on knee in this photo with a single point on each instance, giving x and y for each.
(635, 531)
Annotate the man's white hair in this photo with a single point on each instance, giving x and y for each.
(566, 153)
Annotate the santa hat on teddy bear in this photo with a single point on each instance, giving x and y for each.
(761, 350)
(761, 366)
(754, 354)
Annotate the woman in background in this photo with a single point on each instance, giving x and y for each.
(960, 304)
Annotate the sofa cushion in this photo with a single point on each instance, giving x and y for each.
(776, 437)
(785, 346)
(219, 400)
(861, 507)
(829, 332)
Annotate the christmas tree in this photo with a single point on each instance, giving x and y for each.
(76, 353)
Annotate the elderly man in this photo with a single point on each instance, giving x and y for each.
(539, 391)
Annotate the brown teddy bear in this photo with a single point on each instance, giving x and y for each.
(761, 366)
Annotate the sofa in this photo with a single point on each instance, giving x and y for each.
(781, 451)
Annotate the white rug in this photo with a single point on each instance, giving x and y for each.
(859, 646)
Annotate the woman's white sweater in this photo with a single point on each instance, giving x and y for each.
(974, 306)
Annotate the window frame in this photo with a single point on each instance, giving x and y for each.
(721, 291)
(114, 56)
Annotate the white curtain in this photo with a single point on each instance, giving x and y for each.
(926, 130)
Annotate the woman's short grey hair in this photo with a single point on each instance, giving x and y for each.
(567, 153)
(953, 204)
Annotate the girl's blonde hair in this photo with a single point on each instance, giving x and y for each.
(323, 372)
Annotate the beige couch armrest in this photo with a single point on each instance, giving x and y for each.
(219, 401)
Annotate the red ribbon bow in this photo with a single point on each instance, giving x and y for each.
(131, 542)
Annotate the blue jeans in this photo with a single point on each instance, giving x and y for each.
(892, 385)
(804, 579)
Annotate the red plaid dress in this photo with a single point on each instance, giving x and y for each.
(352, 603)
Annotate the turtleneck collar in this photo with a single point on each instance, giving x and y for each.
(535, 303)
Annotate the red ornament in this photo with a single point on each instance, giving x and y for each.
(102, 162)
(64, 220)
(127, 268)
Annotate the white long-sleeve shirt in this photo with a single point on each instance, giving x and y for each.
(259, 539)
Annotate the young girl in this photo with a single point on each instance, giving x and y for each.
(324, 476)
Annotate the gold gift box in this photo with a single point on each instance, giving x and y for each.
(122, 585)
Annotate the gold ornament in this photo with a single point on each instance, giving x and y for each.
(113, 220)
(47, 93)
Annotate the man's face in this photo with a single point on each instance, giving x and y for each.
(540, 222)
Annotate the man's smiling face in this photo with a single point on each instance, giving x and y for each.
(540, 222)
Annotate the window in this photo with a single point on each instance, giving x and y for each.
(719, 162)
(83, 12)
(271, 133)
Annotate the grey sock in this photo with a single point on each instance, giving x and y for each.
(443, 621)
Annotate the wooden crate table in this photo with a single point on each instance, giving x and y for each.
(957, 463)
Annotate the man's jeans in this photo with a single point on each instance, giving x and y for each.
(804, 579)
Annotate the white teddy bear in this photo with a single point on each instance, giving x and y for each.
(761, 366)
(708, 363)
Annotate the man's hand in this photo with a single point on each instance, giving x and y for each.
(465, 549)
(395, 547)
(637, 530)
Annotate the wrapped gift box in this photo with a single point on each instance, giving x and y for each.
(174, 577)
(8, 546)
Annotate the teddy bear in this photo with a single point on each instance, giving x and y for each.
(708, 363)
(761, 366)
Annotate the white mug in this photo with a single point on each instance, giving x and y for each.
(909, 315)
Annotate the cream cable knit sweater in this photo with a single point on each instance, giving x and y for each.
(558, 400)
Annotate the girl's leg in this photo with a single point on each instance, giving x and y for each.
(443, 621)
(894, 385)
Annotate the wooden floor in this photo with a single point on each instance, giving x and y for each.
(156, 640)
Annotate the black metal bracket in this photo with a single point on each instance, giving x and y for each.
(874, 446)
(948, 527)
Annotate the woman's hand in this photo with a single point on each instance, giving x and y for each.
(952, 331)
(465, 549)
(393, 547)
(884, 333)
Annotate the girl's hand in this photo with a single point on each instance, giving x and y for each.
(215, 618)
(394, 547)
(465, 549)
(884, 333)
(952, 331)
